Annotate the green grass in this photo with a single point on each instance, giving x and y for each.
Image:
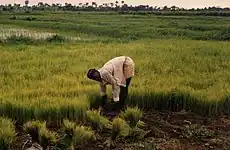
(173, 70)
(105, 26)
(51, 77)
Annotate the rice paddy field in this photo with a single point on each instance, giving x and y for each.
(181, 83)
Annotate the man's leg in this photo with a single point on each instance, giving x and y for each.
(118, 106)
(124, 94)
(103, 100)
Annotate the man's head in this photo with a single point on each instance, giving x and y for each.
(94, 75)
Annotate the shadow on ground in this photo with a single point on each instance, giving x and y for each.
(172, 101)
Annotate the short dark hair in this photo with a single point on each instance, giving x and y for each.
(90, 73)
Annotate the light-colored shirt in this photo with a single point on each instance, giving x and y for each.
(113, 72)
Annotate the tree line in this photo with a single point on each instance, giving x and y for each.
(117, 6)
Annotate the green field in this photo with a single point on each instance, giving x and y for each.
(181, 62)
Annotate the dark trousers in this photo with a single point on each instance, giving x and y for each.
(117, 106)
(124, 93)
(123, 96)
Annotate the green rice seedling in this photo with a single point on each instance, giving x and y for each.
(119, 127)
(40, 133)
(7, 133)
(82, 134)
(68, 127)
(33, 128)
(97, 121)
(132, 117)
(47, 137)
(75, 135)
(67, 134)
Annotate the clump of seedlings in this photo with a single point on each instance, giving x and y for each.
(40, 134)
(132, 116)
(97, 121)
(75, 135)
(118, 128)
(7, 132)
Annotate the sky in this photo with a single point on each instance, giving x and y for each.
(159, 3)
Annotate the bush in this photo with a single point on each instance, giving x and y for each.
(56, 38)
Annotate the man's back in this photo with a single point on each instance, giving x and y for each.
(116, 62)
(115, 68)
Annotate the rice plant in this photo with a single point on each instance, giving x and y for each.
(33, 128)
(47, 137)
(7, 133)
(119, 128)
(75, 135)
(47, 81)
(40, 133)
(132, 116)
(97, 121)
(68, 127)
(83, 134)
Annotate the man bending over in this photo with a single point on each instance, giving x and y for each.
(117, 72)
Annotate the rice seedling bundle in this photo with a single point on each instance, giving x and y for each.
(7, 133)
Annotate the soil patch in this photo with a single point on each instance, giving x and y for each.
(168, 131)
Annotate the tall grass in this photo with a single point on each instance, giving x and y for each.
(50, 110)
(49, 81)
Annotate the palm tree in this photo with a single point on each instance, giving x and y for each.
(94, 4)
(40, 4)
(26, 3)
(117, 3)
(112, 4)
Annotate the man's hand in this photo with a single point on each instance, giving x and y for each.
(116, 99)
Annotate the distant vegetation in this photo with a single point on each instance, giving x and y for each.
(117, 6)
(94, 26)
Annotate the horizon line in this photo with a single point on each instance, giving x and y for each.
(150, 5)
